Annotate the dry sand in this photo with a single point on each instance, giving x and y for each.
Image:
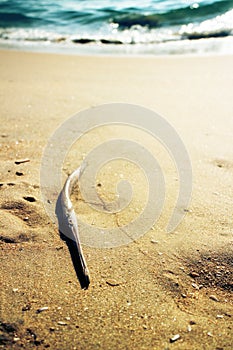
(143, 294)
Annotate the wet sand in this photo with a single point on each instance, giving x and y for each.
(142, 294)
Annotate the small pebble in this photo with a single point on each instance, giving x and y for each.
(195, 286)
(154, 241)
(16, 339)
(220, 316)
(189, 328)
(194, 274)
(191, 322)
(174, 338)
(61, 323)
(26, 307)
(15, 290)
(213, 297)
(19, 173)
(210, 334)
(41, 309)
(22, 161)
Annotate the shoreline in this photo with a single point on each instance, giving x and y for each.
(136, 50)
(120, 56)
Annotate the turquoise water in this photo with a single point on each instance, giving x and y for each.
(154, 27)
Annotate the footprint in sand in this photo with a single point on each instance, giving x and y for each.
(18, 219)
(13, 229)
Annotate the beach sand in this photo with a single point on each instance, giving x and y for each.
(144, 293)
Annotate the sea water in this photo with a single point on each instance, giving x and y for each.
(114, 26)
